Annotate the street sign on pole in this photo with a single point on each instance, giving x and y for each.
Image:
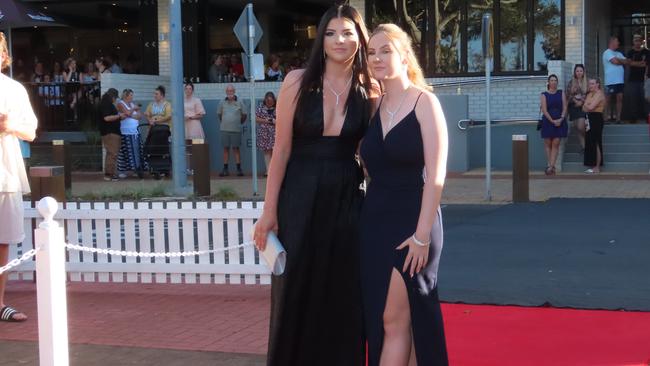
(248, 28)
(249, 32)
(258, 66)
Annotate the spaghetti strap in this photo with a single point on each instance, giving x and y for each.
(417, 100)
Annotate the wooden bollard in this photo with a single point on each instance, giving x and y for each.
(47, 181)
(200, 162)
(520, 186)
(61, 156)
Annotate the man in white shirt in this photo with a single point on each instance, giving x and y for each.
(17, 122)
(613, 62)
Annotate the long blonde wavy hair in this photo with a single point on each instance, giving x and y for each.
(402, 41)
(4, 49)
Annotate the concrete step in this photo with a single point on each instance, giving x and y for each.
(617, 167)
(634, 129)
(631, 139)
(621, 139)
(613, 148)
(612, 157)
(626, 147)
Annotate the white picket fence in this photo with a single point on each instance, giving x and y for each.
(154, 227)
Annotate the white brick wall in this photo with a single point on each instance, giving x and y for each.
(510, 98)
(563, 70)
(142, 85)
(164, 61)
(573, 36)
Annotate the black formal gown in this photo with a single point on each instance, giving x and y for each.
(390, 214)
(316, 314)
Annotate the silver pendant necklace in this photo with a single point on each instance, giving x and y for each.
(329, 86)
(391, 114)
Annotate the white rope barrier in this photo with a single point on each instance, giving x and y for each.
(125, 253)
(18, 261)
(31, 253)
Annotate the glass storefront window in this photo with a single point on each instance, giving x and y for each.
(475, 11)
(548, 31)
(528, 33)
(447, 41)
(513, 34)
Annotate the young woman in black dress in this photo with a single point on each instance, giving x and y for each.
(405, 154)
(313, 200)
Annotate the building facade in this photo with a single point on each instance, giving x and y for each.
(533, 38)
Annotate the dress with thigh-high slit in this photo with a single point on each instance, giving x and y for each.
(389, 216)
(316, 314)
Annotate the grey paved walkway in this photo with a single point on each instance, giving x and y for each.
(468, 188)
(26, 353)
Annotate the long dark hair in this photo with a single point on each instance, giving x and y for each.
(548, 80)
(110, 95)
(269, 95)
(312, 78)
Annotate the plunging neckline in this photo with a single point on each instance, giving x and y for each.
(387, 133)
(322, 110)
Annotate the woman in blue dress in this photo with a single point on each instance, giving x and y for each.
(554, 124)
(405, 154)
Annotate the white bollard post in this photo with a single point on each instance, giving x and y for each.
(50, 287)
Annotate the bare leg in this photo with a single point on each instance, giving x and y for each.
(4, 259)
(226, 155)
(548, 144)
(397, 345)
(412, 360)
(580, 128)
(235, 150)
(619, 106)
(267, 159)
(555, 150)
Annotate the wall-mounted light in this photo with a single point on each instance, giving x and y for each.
(572, 20)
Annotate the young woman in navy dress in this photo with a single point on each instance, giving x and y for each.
(405, 154)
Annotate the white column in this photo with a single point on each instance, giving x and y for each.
(50, 287)
(164, 52)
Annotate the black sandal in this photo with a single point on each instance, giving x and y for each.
(7, 315)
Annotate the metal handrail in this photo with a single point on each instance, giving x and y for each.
(464, 124)
(481, 80)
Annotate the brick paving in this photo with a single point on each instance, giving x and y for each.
(225, 318)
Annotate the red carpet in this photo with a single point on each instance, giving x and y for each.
(479, 335)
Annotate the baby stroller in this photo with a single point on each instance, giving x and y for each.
(156, 149)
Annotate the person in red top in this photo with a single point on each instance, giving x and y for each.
(236, 68)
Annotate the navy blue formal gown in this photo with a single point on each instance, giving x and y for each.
(316, 313)
(390, 214)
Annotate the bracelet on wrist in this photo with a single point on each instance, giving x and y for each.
(420, 243)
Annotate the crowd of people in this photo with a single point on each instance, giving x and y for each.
(587, 100)
(70, 70)
(120, 120)
(229, 68)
